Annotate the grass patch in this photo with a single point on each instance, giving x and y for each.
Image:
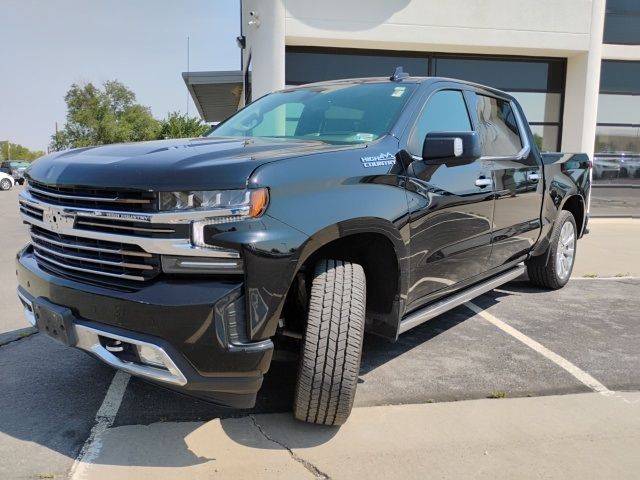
(590, 275)
(498, 394)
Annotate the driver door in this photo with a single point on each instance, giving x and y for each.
(450, 204)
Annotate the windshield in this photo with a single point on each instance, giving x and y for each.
(341, 113)
(19, 164)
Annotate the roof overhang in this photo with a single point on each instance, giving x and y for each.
(216, 94)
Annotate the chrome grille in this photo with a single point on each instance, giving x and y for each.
(104, 199)
(93, 259)
(31, 210)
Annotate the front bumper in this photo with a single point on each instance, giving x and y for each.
(195, 330)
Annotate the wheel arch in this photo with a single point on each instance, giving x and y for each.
(377, 246)
(575, 205)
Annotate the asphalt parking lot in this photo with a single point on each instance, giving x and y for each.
(50, 394)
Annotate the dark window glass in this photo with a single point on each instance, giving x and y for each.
(445, 112)
(308, 66)
(623, 6)
(498, 128)
(620, 77)
(623, 29)
(503, 74)
(622, 22)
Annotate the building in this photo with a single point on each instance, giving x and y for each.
(573, 64)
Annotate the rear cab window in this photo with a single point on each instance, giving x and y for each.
(497, 127)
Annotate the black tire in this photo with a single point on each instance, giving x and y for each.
(5, 184)
(543, 269)
(332, 345)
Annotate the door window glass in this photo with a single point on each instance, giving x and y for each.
(445, 112)
(498, 128)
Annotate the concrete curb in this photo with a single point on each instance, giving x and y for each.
(15, 335)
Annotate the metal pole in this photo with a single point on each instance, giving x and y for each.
(187, 75)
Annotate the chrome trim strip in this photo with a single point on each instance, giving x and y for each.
(89, 199)
(87, 270)
(160, 217)
(122, 227)
(89, 340)
(28, 307)
(430, 311)
(139, 266)
(91, 249)
(162, 246)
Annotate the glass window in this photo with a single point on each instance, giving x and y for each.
(504, 74)
(612, 139)
(622, 22)
(499, 135)
(545, 137)
(619, 109)
(445, 112)
(539, 107)
(309, 65)
(618, 76)
(337, 113)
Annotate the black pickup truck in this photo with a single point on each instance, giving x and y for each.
(313, 215)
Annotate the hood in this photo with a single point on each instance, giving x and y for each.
(165, 165)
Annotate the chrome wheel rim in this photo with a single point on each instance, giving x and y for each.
(565, 252)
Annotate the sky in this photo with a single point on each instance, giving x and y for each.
(47, 45)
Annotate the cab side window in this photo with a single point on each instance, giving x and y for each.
(445, 112)
(497, 126)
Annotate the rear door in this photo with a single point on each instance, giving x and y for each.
(450, 204)
(516, 175)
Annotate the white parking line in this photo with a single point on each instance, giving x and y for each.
(104, 419)
(581, 375)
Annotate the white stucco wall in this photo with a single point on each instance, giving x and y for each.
(569, 29)
(535, 27)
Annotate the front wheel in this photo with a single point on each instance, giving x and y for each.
(5, 184)
(332, 345)
(553, 268)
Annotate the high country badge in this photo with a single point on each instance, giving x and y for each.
(378, 160)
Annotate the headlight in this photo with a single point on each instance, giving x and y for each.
(217, 206)
(240, 202)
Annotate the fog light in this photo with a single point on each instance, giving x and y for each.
(207, 265)
(151, 356)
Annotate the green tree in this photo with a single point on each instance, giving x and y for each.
(15, 151)
(178, 125)
(99, 116)
(538, 139)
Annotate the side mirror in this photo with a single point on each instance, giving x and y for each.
(451, 147)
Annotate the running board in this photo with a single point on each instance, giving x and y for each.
(430, 311)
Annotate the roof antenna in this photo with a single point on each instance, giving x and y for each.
(398, 75)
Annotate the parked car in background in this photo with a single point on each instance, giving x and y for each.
(606, 165)
(629, 165)
(15, 168)
(6, 181)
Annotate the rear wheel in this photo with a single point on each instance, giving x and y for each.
(553, 268)
(332, 344)
(5, 184)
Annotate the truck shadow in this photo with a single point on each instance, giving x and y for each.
(55, 407)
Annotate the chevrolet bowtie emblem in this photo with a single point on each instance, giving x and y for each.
(56, 220)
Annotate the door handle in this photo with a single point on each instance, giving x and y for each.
(483, 182)
(533, 176)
